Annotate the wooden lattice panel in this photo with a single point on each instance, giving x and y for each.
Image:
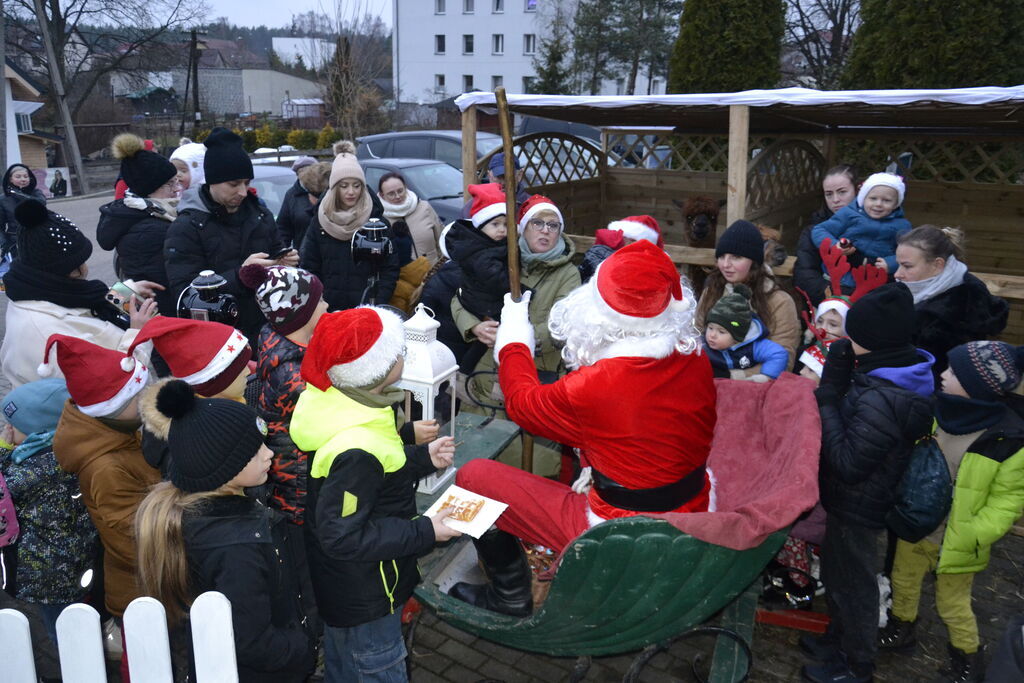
(950, 161)
(782, 171)
(551, 158)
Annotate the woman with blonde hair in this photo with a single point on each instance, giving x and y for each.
(326, 249)
(198, 532)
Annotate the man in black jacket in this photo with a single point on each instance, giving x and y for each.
(875, 403)
(222, 227)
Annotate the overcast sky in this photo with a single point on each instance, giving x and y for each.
(274, 13)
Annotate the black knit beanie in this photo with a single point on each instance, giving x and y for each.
(48, 241)
(733, 312)
(883, 318)
(142, 170)
(225, 158)
(210, 440)
(987, 370)
(742, 238)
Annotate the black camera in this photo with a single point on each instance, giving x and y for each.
(371, 244)
(204, 299)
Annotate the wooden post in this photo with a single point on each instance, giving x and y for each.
(739, 156)
(468, 149)
(830, 150)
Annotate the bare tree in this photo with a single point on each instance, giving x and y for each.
(362, 55)
(92, 38)
(821, 31)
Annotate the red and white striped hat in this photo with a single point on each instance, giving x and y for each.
(207, 355)
(101, 381)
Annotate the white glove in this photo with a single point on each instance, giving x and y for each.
(515, 325)
(583, 482)
(759, 378)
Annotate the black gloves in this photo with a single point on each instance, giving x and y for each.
(838, 371)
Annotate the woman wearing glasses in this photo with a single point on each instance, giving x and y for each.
(547, 270)
(402, 205)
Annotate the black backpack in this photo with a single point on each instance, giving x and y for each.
(925, 494)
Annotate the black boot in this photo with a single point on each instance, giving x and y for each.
(504, 561)
(897, 636)
(963, 667)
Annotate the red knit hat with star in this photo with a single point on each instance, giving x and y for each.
(536, 204)
(101, 381)
(639, 228)
(207, 355)
(488, 202)
(356, 347)
(639, 282)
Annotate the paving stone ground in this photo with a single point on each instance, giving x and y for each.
(442, 652)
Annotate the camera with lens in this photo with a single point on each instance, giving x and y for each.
(205, 299)
(372, 245)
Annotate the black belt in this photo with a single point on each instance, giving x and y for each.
(661, 499)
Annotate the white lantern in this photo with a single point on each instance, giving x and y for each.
(429, 364)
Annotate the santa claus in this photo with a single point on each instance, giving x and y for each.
(639, 405)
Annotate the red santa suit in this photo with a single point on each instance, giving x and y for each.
(642, 415)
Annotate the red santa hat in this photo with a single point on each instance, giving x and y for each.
(100, 381)
(488, 202)
(207, 355)
(639, 228)
(356, 347)
(639, 284)
(536, 204)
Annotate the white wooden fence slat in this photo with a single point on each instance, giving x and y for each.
(149, 650)
(19, 665)
(81, 645)
(213, 639)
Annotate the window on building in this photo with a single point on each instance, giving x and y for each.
(620, 86)
(528, 82)
(24, 123)
(498, 44)
(467, 6)
(439, 44)
(497, 82)
(530, 5)
(467, 44)
(499, 6)
(439, 82)
(467, 82)
(656, 86)
(529, 43)
(439, 7)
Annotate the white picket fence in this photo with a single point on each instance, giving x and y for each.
(80, 643)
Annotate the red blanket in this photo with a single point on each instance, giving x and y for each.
(764, 460)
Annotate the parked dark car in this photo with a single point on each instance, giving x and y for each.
(441, 145)
(435, 181)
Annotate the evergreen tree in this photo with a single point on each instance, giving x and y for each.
(937, 44)
(592, 45)
(550, 62)
(727, 45)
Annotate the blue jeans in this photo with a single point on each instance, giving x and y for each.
(373, 651)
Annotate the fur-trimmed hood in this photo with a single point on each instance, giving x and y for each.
(153, 421)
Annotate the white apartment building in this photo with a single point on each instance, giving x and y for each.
(442, 48)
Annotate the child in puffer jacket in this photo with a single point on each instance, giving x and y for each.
(617, 235)
(875, 403)
(481, 251)
(980, 430)
(57, 540)
(735, 339)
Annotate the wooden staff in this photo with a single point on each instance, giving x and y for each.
(505, 124)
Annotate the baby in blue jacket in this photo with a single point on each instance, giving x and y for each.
(736, 340)
(867, 229)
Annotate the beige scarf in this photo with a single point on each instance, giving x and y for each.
(340, 223)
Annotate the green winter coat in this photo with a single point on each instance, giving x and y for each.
(549, 281)
(988, 497)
